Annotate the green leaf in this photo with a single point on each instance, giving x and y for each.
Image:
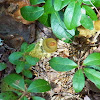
(31, 13)
(15, 56)
(90, 12)
(72, 15)
(31, 60)
(57, 4)
(39, 86)
(59, 28)
(20, 66)
(24, 98)
(28, 81)
(80, 1)
(8, 96)
(45, 19)
(2, 66)
(24, 47)
(78, 81)
(37, 98)
(15, 81)
(34, 2)
(62, 64)
(92, 59)
(48, 7)
(65, 3)
(96, 3)
(27, 73)
(93, 75)
(97, 68)
(86, 22)
(30, 47)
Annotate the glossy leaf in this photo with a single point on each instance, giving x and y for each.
(65, 3)
(94, 67)
(2, 66)
(78, 81)
(62, 64)
(31, 60)
(34, 2)
(72, 15)
(15, 56)
(59, 28)
(24, 47)
(24, 98)
(30, 47)
(86, 22)
(20, 66)
(15, 81)
(31, 13)
(27, 73)
(92, 59)
(39, 86)
(90, 12)
(45, 19)
(57, 4)
(48, 7)
(80, 1)
(93, 75)
(37, 98)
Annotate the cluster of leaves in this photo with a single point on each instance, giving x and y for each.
(63, 16)
(22, 87)
(90, 67)
(23, 61)
(16, 87)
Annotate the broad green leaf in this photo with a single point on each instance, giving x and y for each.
(30, 47)
(27, 73)
(65, 3)
(34, 2)
(59, 28)
(24, 98)
(93, 75)
(8, 96)
(37, 98)
(92, 59)
(20, 66)
(78, 81)
(45, 19)
(72, 15)
(62, 64)
(80, 1)
(31, 13)
(86, 22)
(57, 4)
(97, 68)
(31, 60)
(2, 66)
(15, 56)
(24, 47)
(39, 86)
(90, 12)
(96, 3)
(28, 81)
(27, 65)
(48, 7)
(15, 81)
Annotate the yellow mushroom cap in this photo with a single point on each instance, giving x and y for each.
(50, 45)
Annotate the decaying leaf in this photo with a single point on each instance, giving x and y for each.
(89, 33)
(14, 10)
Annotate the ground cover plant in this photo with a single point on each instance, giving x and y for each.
(64, 17)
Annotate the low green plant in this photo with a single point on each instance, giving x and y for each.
(20, 89)
(63, 16)
(2, 66)
(90, 68)
(22, 60)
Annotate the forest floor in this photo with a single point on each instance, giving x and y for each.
(14, 31)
